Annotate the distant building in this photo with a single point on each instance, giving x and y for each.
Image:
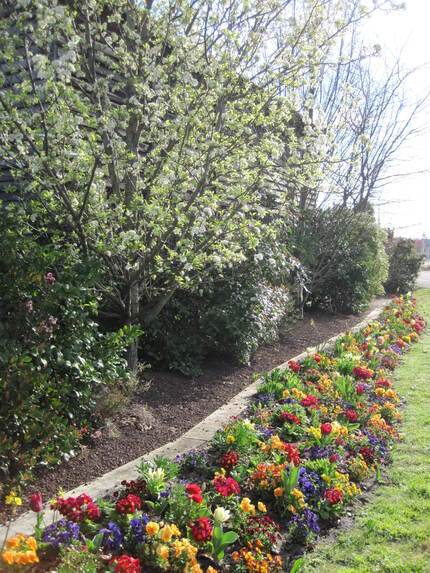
(422, 246)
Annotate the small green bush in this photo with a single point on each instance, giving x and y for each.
(344, 254)
(232, 315)
(404, 266)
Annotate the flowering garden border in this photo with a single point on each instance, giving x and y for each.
(314, 433)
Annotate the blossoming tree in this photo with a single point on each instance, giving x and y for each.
(153, 135)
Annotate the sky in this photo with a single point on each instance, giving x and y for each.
(405, 204)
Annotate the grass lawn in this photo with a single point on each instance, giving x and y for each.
(391, 534)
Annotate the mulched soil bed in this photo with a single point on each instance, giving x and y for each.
(167, 405)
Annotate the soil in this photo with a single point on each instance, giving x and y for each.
(165, 405)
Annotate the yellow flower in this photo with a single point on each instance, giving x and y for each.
(278, 492)
(220, 474)
(163, 551)
(12, 542)
(210, 569)
(285, 393)
(261, 507)
(166, 533)
(13, 499)
(246, 505)
(31, 543)
(175, 530)
(230, 439)
(316, 432)
(152, 528)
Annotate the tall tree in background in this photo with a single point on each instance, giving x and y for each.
(368, 115)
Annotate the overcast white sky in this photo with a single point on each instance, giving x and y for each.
(405, 204)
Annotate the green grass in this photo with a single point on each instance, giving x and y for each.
(391, 533)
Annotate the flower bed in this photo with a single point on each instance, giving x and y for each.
(265, 487)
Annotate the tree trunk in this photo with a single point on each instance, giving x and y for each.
(132, 320)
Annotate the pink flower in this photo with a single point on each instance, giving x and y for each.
(50, 279)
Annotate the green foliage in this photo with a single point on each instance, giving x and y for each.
(75, 560)
(344, 253)
(233, 315)
(404, 266)
(55, 364)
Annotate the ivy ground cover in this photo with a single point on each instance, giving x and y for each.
(267, 485)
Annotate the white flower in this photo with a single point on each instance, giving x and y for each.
(221, 515)
(155, 474)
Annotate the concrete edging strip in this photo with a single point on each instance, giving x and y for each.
(195, 438)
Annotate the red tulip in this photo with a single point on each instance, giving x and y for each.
(36, 502)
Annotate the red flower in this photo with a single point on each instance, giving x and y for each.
(77, 508)
(317, 358)
(334, 458)
(291, 418)
(367, 454)
(294, 366)
(128, 504)
(201, 530)
(360, 389)
(229, 460)
(362, 373)
(36, 502)
(333, 495)
(292, 454)
(126, 564)
(350, 415)
(192, 488)
(226, 486)
(194, 492)
(309, 402)
(326, 429)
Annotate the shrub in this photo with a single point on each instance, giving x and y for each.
(232, 315)
(344, 254)
(404, 265)
(54, 362)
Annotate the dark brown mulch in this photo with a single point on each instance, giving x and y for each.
(166, 405)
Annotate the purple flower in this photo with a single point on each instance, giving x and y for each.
(61, 533)
(305, 483)
(113, 538)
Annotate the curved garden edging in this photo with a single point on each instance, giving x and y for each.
(197, 437)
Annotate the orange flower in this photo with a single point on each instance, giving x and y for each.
(163, 551)
(12, 542)
(8, 557)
